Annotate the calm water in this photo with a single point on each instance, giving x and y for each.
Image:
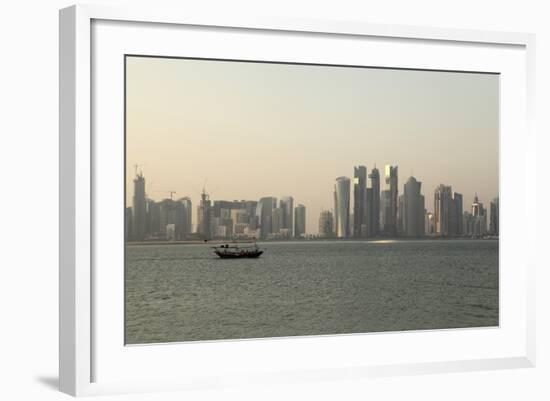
(184, 292)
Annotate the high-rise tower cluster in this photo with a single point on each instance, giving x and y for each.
(374, 212)
(377, 212)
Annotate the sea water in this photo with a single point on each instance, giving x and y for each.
(185, 292)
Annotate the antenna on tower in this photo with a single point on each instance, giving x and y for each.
(136, 166)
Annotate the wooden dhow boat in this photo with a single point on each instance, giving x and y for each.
(237, 251)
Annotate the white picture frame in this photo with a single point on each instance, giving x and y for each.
(79, 342)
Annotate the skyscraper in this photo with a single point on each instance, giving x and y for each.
(139, 209)
(401, 214)
(277, 220)
(152, 225)
(479, 215)
(169, 217)
(442, 210)
(369, 213)
(287, 204)
(203, 217)
(468, 224)
(477, 207)
(413, 209)
(326, 224)
(250, 207)
(423, 213)
(384, 208)
(459, 229)
(341, 207)
(264, 211)
(299, 221)
(359, 200)
(375, 212)
(187, 210)
(391, 185)
(429, 226)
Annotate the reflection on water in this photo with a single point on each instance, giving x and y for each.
(185, 293)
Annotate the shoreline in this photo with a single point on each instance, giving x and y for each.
(372, 240)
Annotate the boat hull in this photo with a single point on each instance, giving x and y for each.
(243, 255)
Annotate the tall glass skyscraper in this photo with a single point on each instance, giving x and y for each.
(204, 216)
(139, 209)
(375, 209)
(480, 217)
(369, 213)
(264, 211)
(186, 219)
(287, 204)
(277, 220)
(443, 203)
(342, 206)
(391, 185)
(326, 224)
(413, 209)
(384, 208)
(359, 200)
(458, 204)
(299, 221)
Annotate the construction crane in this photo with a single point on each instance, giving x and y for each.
(169, 192)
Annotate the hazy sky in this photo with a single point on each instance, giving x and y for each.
(254, 129)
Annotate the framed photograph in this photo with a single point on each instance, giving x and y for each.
(277, 200)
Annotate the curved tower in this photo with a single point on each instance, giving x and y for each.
(342, 201)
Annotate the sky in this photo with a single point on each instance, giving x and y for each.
(247, 130)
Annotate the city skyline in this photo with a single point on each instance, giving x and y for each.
(191, 121)
(403, 214)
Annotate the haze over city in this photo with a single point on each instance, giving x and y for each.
(252, 130)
